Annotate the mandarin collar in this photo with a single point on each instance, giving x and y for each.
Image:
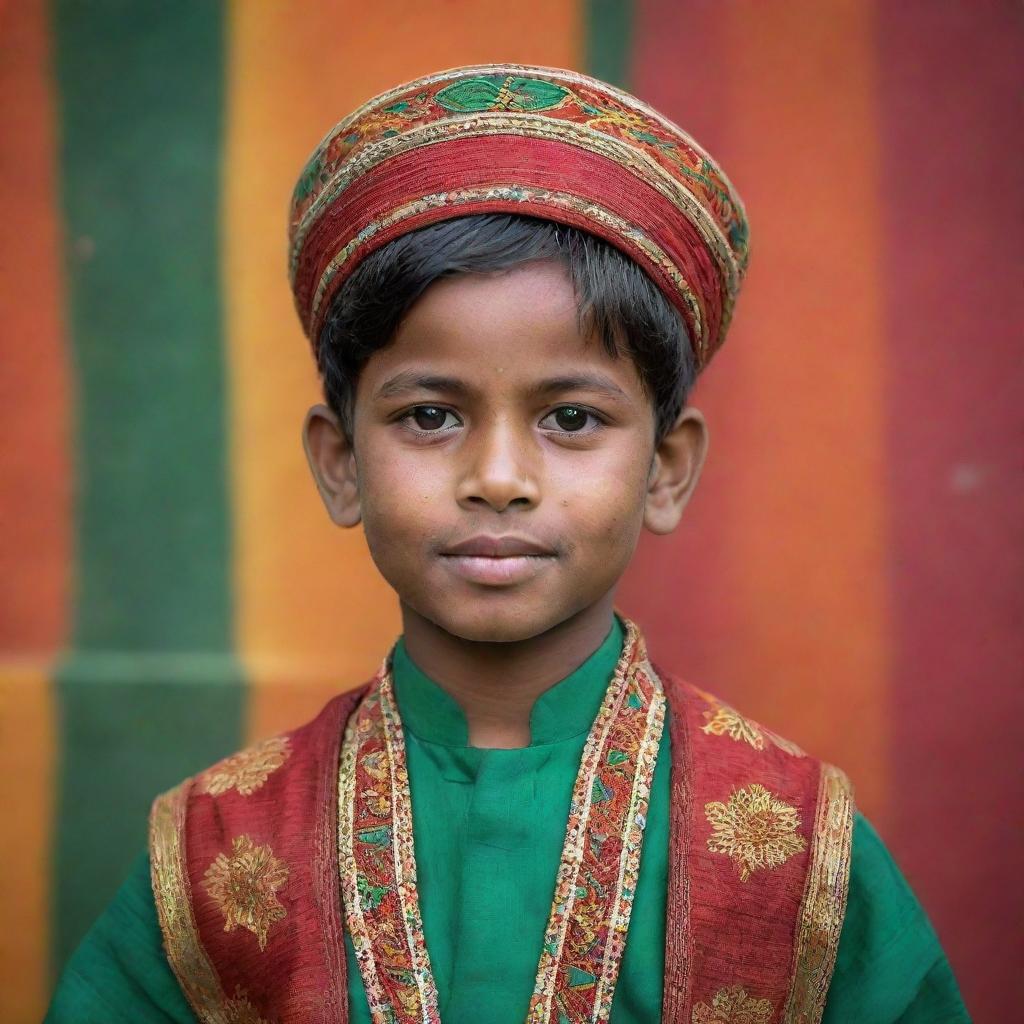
(566, 709)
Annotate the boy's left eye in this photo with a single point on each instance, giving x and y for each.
(431, 419)
(569, 419)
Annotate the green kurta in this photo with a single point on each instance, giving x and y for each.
(488, 827)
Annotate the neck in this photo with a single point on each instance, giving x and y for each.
(497, 684)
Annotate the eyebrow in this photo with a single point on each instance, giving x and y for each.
(410, 380)
(595, 382)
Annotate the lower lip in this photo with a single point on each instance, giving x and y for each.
(513, 569)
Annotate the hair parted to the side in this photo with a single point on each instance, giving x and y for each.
(615, 299)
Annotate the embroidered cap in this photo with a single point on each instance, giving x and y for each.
(501, 138)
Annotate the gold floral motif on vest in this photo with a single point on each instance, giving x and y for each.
(756, 829)
(247, 770)
(733, 1005)
(244, 886)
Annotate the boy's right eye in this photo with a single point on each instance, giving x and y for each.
(432, 418)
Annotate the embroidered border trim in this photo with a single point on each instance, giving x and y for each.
(824, 902)
(468, 196)
(173, 897)
(395, 971)
(534, 126)
(643, 686)
(597, 874)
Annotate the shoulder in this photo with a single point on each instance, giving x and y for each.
(726, 743)
(737, 764)
(119, 971)
(767, 832)
(714, 716)
(890, 965)
(272, 787)
(247, 770)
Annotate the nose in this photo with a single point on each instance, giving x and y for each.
(500, 470)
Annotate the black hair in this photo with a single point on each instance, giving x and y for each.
(615, 298)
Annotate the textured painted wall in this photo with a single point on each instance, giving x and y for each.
(851, 571)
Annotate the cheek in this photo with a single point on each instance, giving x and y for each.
(605, 507)
(399, 496)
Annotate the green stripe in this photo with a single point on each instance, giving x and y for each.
(609, 38)
(127, 736)
(141, 98)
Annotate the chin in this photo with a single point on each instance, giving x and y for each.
(488, 622)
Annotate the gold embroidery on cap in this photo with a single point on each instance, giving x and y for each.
(247, 770)
(755, 829)
(244, 886)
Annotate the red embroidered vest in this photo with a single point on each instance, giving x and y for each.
(247, 876)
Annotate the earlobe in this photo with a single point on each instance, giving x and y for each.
(332, 462)
(678, 461)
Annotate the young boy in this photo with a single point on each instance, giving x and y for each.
(511, 277)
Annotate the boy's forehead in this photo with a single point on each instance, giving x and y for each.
(534, 141)
(521, 299)
(514, 330)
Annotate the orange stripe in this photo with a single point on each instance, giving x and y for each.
(313, 616)
(35, 540)
(27, 776)
(807, 543)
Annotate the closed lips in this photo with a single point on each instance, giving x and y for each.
(498, 547)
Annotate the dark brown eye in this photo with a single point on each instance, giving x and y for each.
(429, 417)
(570, 418)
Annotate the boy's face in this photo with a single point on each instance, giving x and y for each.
(502, 463)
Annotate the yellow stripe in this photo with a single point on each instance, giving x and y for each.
(27, 777)
(807, 538)
(312, 615)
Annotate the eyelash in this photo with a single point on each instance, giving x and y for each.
(598, 421)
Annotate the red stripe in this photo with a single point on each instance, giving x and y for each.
(675, 586)
(35, 467)
(952, 77)
(778, 600)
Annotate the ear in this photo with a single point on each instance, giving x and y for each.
(332, 460)
(678, 460)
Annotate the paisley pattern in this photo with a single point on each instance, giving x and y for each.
(596, 880)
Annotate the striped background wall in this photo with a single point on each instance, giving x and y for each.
(851, 571)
